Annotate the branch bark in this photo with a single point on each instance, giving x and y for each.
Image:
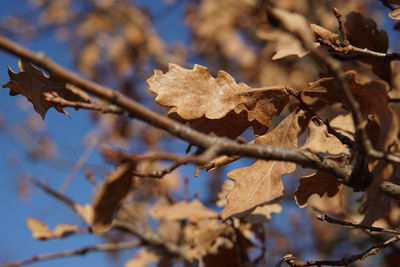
(134, 109)
(75, 252)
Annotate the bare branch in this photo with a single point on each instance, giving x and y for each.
(373, 250)
(341, 25)
(326, 218)
(75, 252)
(56, 99)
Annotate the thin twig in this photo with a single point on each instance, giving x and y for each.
(75, 252)
(326, 218)
(56, 99)
(341, 25)
(373, 250)
(79, 164)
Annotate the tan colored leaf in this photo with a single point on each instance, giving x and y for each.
(86, 212)
(344, 124)
(114, 190)
(286, 44)
(143, 258)
(41, 231)
(32, 83)
(294, 22)
(320, 183)
(205, 101)
(395, 13)
(320, 141)
(261, 183)
(194, 211)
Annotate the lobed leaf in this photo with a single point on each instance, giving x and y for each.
(41, 231)
(260, 183)
(33, 83)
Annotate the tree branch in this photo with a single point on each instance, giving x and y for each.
(225, 146)
(328, 219)
(373, 250)
(75, 252)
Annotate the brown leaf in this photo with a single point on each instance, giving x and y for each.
(114, 190)
(194, 211)
(32, 83)
(320, 183)
(196, 95)
(372, 97)
(261, 183)
(363, 33)
(41, 231)
(320, 141)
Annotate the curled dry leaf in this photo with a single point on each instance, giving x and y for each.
(41, 231)
(32, 83)
(261, 183)
(196, 95)
(320, 141)
(194, 211)
(114, 190)
(320, 183)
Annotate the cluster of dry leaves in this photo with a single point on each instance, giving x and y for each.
(301, 107)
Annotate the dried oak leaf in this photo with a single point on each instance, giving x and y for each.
(195, 96)
(261, 183)
(320, 183)
(363, 33)
(110, 196)
(32, 83)
(194, 211)
(41, 231)
(320, 141)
